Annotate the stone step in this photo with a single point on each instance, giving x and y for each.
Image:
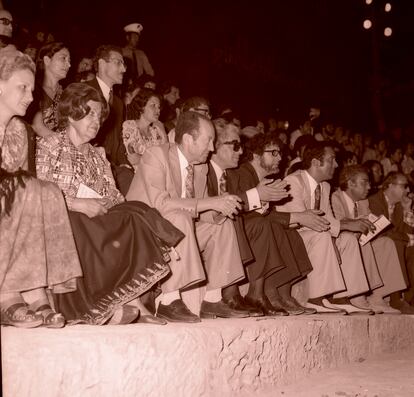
(239, 357)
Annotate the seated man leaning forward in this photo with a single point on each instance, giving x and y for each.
(338, 271)
(379, 254)
(173, 179)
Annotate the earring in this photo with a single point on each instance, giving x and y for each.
(1, 92)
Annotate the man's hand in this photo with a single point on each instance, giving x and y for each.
(312, 219)
(90, 206)
(407, 201)
(358, 225)
(272, 190)
(227, 204)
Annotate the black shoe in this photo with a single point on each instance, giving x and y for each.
(220, 309)
(237, 302)
(266, 307)
(279, 302)
(177, 312)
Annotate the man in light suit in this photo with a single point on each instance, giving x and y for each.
(173, 179)
(338, 271)
(379, 255)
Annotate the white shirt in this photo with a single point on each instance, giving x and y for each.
(183, 169)
(104, 87)
(350, 204)
(313, 184)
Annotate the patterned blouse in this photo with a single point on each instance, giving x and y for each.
(136, 141)
(14, 146)
(59, 161)
(49, 109)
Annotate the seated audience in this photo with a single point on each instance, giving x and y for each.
(279, 256)
(122, 246)
(338, 271)
(173, 179)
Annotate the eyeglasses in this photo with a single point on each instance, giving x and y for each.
(6, 21)
(204, 111)
(275, 152)
(117, 62)
(236, 144)
(404, 185)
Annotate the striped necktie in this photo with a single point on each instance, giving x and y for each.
(189, 182)
(317, 205)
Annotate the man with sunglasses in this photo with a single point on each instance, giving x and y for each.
(394, 201)
(279, 256)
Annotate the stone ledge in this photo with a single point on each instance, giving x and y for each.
(215, 357)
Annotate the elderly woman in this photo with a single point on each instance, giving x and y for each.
(37, 249)
(53, 63)
(122, 246)
(142, 128)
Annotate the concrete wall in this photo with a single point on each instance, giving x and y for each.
(213, 358)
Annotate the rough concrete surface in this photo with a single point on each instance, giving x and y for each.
(212, 358)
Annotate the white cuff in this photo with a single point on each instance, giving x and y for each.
(253, 199)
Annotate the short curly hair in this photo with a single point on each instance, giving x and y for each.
(12, 61)
(136, 107)
(73, 103)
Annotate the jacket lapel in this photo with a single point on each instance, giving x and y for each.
(175, 168)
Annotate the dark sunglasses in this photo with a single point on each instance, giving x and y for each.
(275, 152)
(236, 144)
(6, 21)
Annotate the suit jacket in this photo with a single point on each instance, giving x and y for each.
(245, 178)
(399, 229)
(244, 247)
(157, 182)
(300, 199)
(110, 133)
(340, 207)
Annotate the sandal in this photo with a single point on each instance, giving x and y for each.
(19, 315)
(50, 319)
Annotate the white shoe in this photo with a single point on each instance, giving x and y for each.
(320, 309)
(350, 309)
(377, 303)
(362, 302)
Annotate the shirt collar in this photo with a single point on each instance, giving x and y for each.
(104, 87)
(312, 182)
(349, 203)
(217, 169)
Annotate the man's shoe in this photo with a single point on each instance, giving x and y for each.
(125, 314)
(290, 307)
(220, 309)
(403, 306)
(362, 302)
(266, 307)
(177, 312)
(317, 304)
(305, 310)
(237, 302)
(377, 303)
(344, 304)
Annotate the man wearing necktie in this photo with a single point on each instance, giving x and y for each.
(379, 255)
(173, 179)
(331, 283)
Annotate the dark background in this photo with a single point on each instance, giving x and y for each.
(261, 56)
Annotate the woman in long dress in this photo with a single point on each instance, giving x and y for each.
(37, 249)
(123, 246)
